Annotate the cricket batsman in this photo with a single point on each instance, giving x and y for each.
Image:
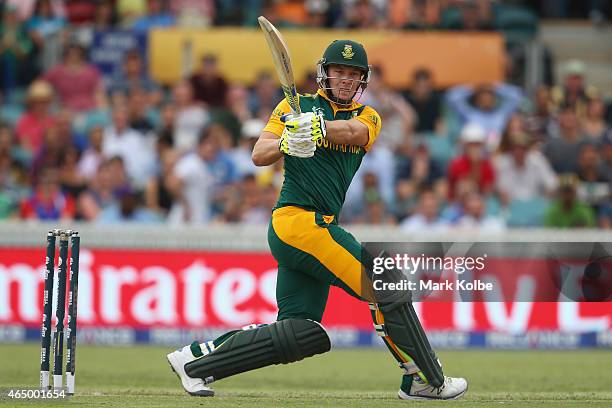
(322, 149)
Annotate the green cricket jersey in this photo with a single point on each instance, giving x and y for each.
(319, 183)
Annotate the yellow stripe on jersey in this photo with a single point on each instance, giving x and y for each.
(297, 227)
(371, 119)
(274, 124)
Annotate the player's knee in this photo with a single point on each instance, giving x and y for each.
(296, 339)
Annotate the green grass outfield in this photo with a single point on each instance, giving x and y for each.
(140, 377)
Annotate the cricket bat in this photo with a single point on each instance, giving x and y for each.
(282, 63)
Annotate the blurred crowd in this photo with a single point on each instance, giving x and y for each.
(127, 149)
(44, 20)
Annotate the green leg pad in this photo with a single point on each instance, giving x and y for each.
(281, 342)
(402, 325)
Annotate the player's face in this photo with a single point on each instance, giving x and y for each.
(343, 81)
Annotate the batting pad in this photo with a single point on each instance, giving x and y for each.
(402, 325)
(281, 342)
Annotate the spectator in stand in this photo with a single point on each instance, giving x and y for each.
(607, 153)
(374, 207)
(539, 120)
(233, 205)
(136, 150)
(488, 106)
(119, 174)
(414, 14)
(416, 166)
(562, 148)
(473, 163)
(51, 153)
(6, 206)
(593, 123)
(191, 183)
(133, 76)
(406, 196)
(46, 29)
(128, 209)
(218, 159)
(156, 16)
(380, 162)
(47, 202)
(475, 216)
(14, 183)
(605, 214)
(270, 196)
(376, 212)
(63, 121)
(100, 194)
(32, 124)
(158, 193)
(425, 101)
(208, 84)
(93, 156)
(139, 113)
(190, 117)
(11, 148)
(77, 83)
(7, 198)
(15, 51)
(271, 175)
(252, 208)
(427, 215)
(363, 15)
(476, 16)
(399, 116)
(567, 211)
(26, 8)
(523, 173)
(238, 102)
(516, 124)
(595, 181)
(165, 130)
(309, 83)
(574, 91)
(104, 16)
(72, 182)
(80, 12)
(264, 96)
(241, 154)
(318, 13)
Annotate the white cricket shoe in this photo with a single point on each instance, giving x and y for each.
(193, 386)
(452, 388)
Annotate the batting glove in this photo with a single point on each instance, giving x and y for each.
(295, 146)
(307, 125)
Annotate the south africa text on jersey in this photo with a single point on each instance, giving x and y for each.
(338, 147)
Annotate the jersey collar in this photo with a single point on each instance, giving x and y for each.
(354, 105)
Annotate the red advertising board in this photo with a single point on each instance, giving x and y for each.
(194, 289)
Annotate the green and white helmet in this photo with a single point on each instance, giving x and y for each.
(348, 53)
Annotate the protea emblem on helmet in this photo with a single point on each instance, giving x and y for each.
(348, 53)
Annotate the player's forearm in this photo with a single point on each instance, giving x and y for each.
(266, 152)
(350, 132)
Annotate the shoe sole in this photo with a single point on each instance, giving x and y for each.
(203, 393)
(420, 398)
